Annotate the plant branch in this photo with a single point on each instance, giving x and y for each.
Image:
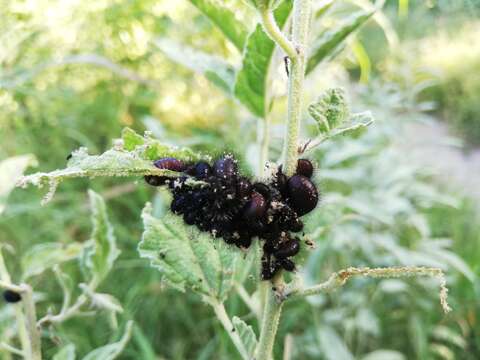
(31, 323)
(270, 320)
(275, 33)
(338, 279)
(229, 328)
(300, 29)
(5, 282)
(11, 349)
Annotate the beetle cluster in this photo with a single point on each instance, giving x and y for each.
(233, 207)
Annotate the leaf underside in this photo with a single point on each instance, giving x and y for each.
(186, 257)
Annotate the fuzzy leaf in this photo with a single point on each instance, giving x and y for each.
(112, 351)
(65, 353)
(130, 157)
(225, 20)
(356, 125)
(11, 169)
(45, 256)
(186, 257)
(218, 71)
(246, 333)
(251, 82)
(330, 40)
(102, 301)
(330, 110)
(101, 252)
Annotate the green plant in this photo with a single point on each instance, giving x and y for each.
(134, 156)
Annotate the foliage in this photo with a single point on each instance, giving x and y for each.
(376, 210)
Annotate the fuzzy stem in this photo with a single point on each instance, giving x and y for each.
(300, 29)
(230, 329)
(264, 144)
(273, 31)
(271, 318)
(31, 322)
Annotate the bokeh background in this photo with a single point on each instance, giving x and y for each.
(74, 73)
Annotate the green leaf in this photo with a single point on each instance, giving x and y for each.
(330, 110)
(65, 353)
(356, 126)
(246, 333)
(101, 252)
(102, 301)
(112, 351)
(333, 346)
(131, 139)
(330, 40)
(149, 148)
(45, 256)
(186, 257)
(11, 169)
(251, 82)
(225, 20)
(218, 71)
(130, 157)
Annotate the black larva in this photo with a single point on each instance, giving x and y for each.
(11, 296)
(231, 207)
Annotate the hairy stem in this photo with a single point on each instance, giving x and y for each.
(338, 279)
(264, 144)
(300, 29)
(295, 49)
(31, 323)
(230, 329)
(270, 320)
(273, 31)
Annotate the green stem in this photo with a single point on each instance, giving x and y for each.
(273, 31)
(6, 282)
(271, 318)
(264, 145)
(31, 322)
(230, 329)
(300, 29)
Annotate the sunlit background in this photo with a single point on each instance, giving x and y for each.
(74, 73)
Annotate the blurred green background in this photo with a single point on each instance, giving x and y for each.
(74, 73)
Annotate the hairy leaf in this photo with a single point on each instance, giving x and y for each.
(246, 333)
(45, 256)
(330, 110)
(218, 71)
(251, 82)
(330, 40)
(65, 353)
(225, 20)
(102, 250)
(130, 157)
(11, 170)
(186, 257)
(112, 351)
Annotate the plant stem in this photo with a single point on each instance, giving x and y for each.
(229, 328)
(264, 144)
(271, 318)
(31, 322)
(300, 30)
(5, 282)
(273, 31)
